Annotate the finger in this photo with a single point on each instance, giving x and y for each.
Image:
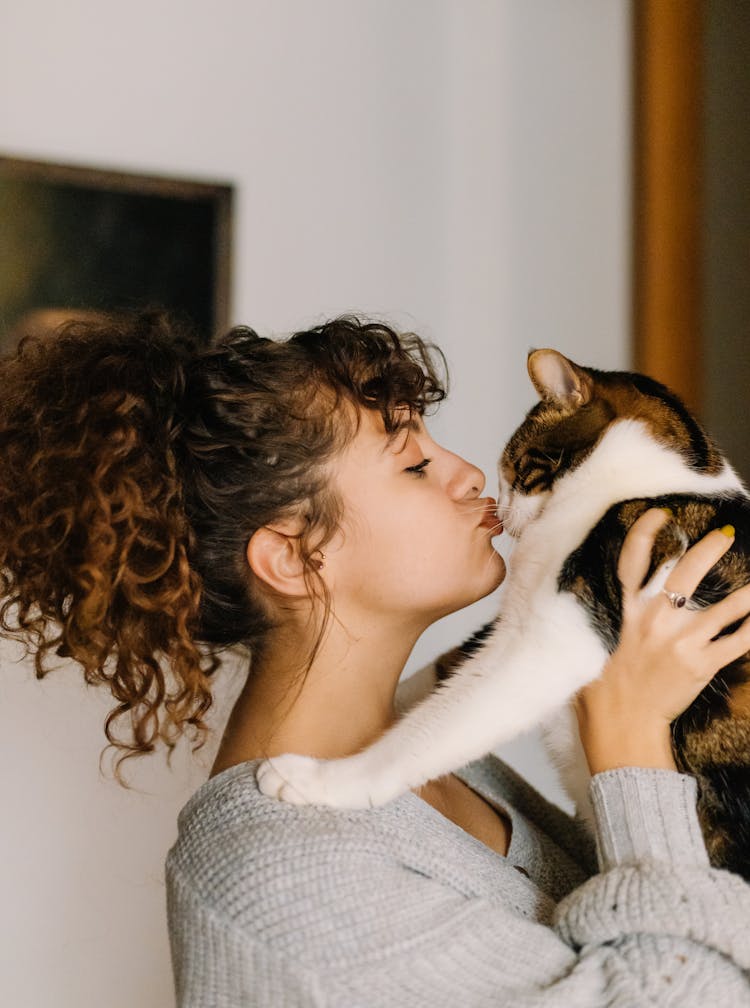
(714, 618)
(734, 645)
(635, 555)
(699, 560)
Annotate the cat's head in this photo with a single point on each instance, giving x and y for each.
(577, 406)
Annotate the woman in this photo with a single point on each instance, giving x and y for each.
(288, 496)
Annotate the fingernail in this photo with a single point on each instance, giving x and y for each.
(728, 531)
(667, 511)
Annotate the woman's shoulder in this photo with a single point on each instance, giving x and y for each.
(329, 889)
(229, 810)
(230, 830)
(230, 817)
(275, 870)
(231, 837)
(257, 862)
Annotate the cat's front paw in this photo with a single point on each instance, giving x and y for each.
(291, 778)
(302, 780)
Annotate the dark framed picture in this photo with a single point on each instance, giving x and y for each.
(75, 241)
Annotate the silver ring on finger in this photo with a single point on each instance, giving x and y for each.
(676, 599)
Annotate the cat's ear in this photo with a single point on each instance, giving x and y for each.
(558, 379)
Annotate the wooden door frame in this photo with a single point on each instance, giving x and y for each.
(667, 193)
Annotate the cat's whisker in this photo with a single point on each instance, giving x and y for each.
(719, 693)
(488, 562)
(498, 512)
(480, 507)
(485, 507)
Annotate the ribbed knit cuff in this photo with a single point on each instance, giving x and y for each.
(646, 814)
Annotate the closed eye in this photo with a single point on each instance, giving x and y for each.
(419, 469)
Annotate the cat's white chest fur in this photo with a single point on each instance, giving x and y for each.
(541, 653)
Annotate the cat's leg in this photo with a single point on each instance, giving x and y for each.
(418, 686)
(509, 686)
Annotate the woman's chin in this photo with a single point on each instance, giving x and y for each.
(496, 574)
(491, 581)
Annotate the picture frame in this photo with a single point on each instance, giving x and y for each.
(76, 241)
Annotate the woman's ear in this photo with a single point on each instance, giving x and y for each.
(274, 557)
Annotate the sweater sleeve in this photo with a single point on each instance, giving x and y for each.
(656, 927)
(673, 920)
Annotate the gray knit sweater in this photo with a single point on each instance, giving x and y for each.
(275, 905)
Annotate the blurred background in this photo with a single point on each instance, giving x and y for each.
(494, 174)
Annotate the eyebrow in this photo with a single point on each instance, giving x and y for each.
(411, 425)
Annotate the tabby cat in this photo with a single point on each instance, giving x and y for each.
(596, 452)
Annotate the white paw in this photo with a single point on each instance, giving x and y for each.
(302, 780)
(291, 778)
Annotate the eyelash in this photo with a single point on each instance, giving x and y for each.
(419, 469)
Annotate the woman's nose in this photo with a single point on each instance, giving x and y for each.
(466, 480)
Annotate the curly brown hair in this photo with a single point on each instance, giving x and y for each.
(136, 466)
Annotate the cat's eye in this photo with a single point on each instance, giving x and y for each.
(533, 471)
(419, 468)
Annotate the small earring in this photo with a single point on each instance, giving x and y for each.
(319, 564)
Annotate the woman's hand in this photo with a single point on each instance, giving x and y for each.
(666, 656)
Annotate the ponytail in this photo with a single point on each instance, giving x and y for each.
(94, 540)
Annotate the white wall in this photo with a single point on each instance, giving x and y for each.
(457, 167)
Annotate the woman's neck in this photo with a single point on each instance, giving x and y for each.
(338, 707)
(343, 703)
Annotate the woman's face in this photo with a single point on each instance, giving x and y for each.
(416, 537)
